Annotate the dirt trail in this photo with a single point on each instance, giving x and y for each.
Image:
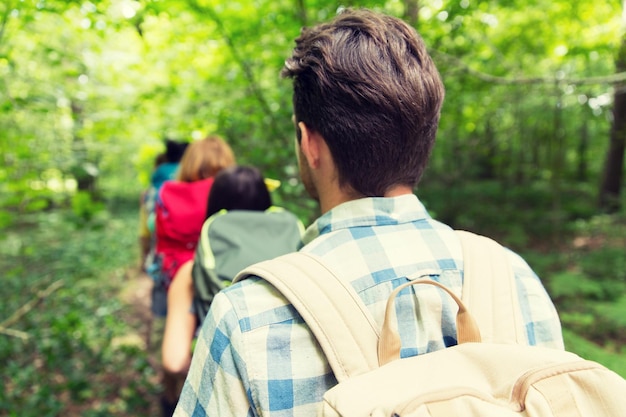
(148, 330)
(136, 295)
(145, 333)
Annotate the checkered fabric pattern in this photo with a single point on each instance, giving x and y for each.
(255, 355)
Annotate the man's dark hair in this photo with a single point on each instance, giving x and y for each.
(366, 83)
(238, 188)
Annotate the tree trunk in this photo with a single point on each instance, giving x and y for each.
(301, 12)
(582, 151)
(610, 188)
(411, 12)
(84, 172)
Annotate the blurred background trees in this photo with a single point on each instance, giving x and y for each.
(89, 89)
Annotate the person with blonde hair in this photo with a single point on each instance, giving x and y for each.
(204, 159)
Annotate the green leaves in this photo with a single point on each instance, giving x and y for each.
(100, 82)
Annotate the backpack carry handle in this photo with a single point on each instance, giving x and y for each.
(389, 343)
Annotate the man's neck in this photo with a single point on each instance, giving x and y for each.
(336, 197)
(399, 190)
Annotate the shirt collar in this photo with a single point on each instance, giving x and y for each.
(368, 211)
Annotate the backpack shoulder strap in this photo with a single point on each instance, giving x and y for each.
(490, 291)
(321, 298)
(208, 259)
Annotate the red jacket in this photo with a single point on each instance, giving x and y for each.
(180, 213)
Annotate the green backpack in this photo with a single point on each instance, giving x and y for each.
(233, 240)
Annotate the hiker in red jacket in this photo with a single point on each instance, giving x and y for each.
(180, 211)
(165, 168)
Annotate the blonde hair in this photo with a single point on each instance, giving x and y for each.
(205, 158)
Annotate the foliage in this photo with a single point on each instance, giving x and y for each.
(95, 86)
(84, 206)
(534, 212)
(76, 353)
(591, 351)
(590, 292)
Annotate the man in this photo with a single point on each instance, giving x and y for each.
(366, 99)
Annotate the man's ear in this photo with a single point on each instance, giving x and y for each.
(310, 145)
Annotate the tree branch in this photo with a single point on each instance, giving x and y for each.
(17, 314)
(14, 333)
(612, 79)
(245, 66)
(5, 19)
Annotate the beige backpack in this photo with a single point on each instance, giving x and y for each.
(496, 375)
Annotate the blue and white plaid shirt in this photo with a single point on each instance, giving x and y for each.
(255, 355)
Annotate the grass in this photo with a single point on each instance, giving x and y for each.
(614, 360)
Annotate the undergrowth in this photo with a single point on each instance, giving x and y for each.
(65, 348)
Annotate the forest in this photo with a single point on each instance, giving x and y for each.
(530, 151)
